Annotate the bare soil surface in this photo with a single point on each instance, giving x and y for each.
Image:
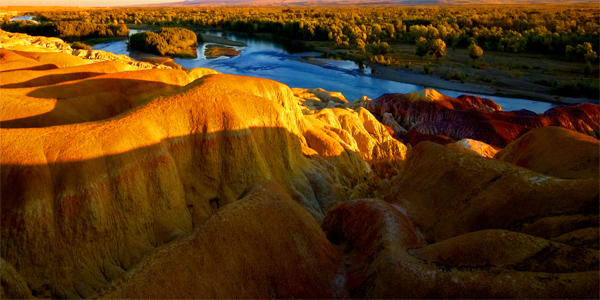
(209, 38)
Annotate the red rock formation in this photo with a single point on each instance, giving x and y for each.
(461, 226)
(430, 116)
(584, 118)
(385, 259)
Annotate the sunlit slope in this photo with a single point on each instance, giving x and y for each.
(41, 97)
(102, 170)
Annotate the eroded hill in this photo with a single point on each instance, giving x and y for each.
(125, 182)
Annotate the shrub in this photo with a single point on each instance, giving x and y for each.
(546, 82)
(579, 89)
(422, 47)
(581, 52)
(485, 79)
(475, 52)
(588, 68)
(438, 48)
(81, 46)
(167, 41)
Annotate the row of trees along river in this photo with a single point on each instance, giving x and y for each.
(548, 29)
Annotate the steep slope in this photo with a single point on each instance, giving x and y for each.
(142, 158)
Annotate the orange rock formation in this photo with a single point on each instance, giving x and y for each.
(122, 180)
(556, 152)
(103, 169)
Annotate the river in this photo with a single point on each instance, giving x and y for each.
(270, 59)
(24, 18)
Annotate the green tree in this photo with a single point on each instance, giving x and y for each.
(360, 44)
(422, 47)
(167, 41)
(586, 50)
(79, 45)
(438, 48)
(384, 48)
(475, 52)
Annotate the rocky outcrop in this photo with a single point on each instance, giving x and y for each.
(318, 98)
(333, 132)
(430, 116)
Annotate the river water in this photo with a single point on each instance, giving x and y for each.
(23, 18)
(272, 60)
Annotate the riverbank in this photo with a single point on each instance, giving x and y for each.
(209, 38)
(486, 77)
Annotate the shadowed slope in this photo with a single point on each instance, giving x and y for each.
(456, 225)
(556, 152)
(241, 251)
(449, 193)
(10, 61)
(33, 78)
(387, 259)
(59, 59)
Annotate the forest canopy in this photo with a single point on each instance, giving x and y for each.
(67, 30)
(546, 29)
(175, 41)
